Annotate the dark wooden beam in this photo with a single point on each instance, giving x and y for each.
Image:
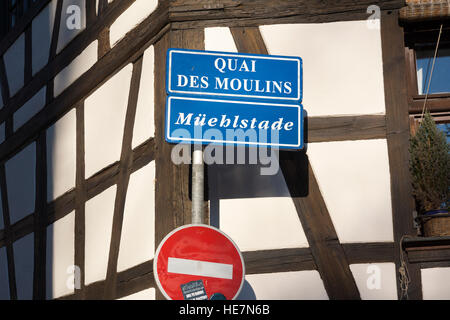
(8, 242)
(66, 56)
(187, 14)
(65, 204)
(91, 14)
(397, 125)
(324, 244)
(125, 169)
(435, 103)
(429, 254)
(328, 253)
(126, 51)
(28, 55)
(173, 206)
(341, 128)
(369, 252)
(40, 219)
(80, 200)
(281, 260)
(140, 277)
(20, 26)
(4, 84)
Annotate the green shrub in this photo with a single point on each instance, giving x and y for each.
(429, 165)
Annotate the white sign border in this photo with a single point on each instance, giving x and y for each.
(171, 91)
(180, 140)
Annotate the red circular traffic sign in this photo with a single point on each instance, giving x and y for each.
(196, 262)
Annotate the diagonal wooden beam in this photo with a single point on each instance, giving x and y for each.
(328, 253)
(125, 169)
(326, 249)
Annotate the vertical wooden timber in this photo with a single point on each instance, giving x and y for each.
(397, 123)
(328, 253)
(28, 55)
(6, 97)
(80, 200)
(40, 219)
(9, 242)
(173, 206)
(103, 38)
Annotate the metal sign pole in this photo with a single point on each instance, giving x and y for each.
(197, 185)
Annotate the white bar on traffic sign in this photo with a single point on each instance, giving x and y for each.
(200, 268)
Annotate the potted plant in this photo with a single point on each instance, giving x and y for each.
(429, 167)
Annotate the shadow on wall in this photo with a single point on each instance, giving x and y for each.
(264, 179)
(240, 184)
(23, 173)
(247, 292)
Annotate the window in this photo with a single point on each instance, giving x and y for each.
(420, 41)
(440, 82)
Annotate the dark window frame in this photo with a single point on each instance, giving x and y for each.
(425, 35)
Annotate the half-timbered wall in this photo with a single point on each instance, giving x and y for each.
(88, 188)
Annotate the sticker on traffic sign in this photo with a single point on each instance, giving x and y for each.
(196, 262)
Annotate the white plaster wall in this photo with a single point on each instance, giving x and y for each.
(61, 156)
(76, 68)
(298, 285)
(99, 215)
(24, 263)
(14, 59)
(4, 281)
(137, 244)
(255, 222)
(436, 284)
(354, 179)
(219, 39)
(42, 30)
(342, 64)
(30, 108)
(60, 256)
(67, 31)
(148, 294)
(134, 15)
(375, 281)
(105, 112)
(144, 124)
(21, 182)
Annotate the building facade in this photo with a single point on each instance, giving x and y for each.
(89, 188)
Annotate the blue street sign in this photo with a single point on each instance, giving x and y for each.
(236, 75)
(209, 120)
(234, 99)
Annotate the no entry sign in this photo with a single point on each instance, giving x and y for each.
(196, 262)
